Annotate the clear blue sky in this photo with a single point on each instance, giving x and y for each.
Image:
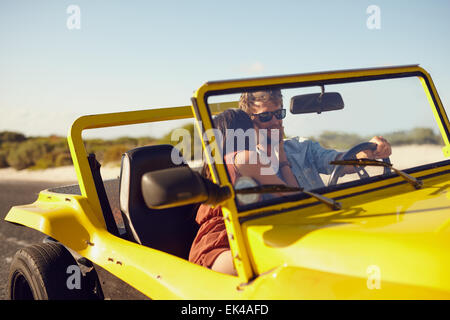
(132, 55)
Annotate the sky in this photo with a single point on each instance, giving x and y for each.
(135, 55)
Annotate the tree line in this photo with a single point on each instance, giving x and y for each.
(20, 152)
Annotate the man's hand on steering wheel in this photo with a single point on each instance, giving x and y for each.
(377, 148)
(383, 150)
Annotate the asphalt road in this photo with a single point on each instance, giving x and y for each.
(13, 237)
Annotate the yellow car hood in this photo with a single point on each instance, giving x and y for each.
(395, 234)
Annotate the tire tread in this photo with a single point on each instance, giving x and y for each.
(44, 266)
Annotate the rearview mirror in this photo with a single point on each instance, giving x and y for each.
(180, 186)
(316, 102)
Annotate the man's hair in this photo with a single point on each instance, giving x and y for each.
(248, 98)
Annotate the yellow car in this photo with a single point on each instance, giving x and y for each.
(380, 230)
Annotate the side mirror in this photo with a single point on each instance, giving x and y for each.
(180, 186)
(316, 102)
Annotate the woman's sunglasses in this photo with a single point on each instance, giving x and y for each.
(267, 116)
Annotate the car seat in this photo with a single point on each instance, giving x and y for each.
(170, 230)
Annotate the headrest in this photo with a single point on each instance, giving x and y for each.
(137, 162)
(170, 230)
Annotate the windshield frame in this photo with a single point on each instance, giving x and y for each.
(234, 218)
(215, 88)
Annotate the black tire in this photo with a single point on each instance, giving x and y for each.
(39, 272)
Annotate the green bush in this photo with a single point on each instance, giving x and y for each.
(426, 136)
(414, 136)
(8, 136)
(21, 152)
(28, 153)
(343, 141)
(132, 142)
(62, 159)
(20, 159)
(5, 150)
(53, 151)
(3, 159)
(338, 140)
(114, 153)
(146, 141)
(44, 162)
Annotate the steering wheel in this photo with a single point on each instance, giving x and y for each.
(351, 155)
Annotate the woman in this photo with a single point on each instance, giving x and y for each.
(210, 247)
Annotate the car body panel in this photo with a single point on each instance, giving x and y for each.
(302, 283)
(402, 233)
(152, 272)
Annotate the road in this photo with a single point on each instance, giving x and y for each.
(13, 237)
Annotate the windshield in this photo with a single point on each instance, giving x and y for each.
(289, 136)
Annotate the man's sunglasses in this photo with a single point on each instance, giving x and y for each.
(267, 116)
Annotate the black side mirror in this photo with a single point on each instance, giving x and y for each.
(316, 102)
(180, 186)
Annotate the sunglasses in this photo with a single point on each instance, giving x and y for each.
(267, 116)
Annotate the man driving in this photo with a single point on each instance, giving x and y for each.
(305, 158)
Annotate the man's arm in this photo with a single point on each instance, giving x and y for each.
(383, 150)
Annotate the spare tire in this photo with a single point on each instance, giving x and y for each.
(40, 272)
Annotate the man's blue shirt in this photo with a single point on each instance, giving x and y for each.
(308, 159)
